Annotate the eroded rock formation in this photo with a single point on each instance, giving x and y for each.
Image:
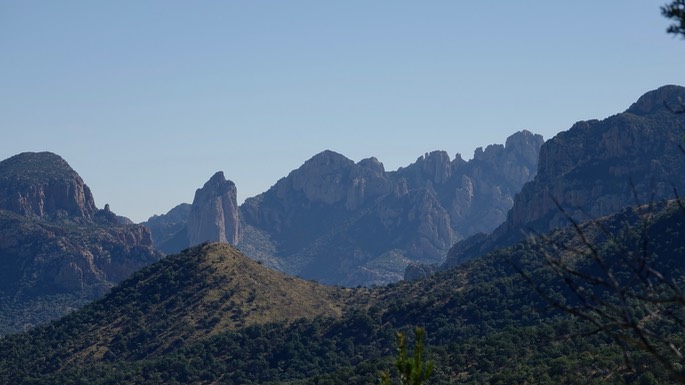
(213, 216)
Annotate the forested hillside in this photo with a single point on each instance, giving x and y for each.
(485, 323)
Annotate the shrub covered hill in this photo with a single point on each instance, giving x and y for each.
(213, 316)
(57, 250)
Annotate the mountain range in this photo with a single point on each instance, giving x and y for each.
(59, 251)
(594, 169)
(346, 223)
(212, 315)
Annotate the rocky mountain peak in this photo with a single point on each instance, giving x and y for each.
(214, 213)
(367, 180)
(458, 161)
(490, 153)
(373, 165)
(327, 160)
(658, 100)
(320, 178)
(436, 165)
(42, 184)
(218, 183)
(525, 144)
(596, 168)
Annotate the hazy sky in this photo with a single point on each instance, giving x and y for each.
(147, 99)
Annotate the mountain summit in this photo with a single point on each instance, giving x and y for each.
(43, 185)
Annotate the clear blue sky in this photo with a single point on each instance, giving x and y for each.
(147, 99)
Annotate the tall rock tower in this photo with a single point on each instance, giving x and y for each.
(214, 214)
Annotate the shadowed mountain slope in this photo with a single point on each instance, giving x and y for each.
(596, 168)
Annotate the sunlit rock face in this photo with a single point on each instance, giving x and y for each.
(214, 215)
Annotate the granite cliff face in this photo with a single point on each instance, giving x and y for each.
(213, 215)
(596, 168)
(57, 250)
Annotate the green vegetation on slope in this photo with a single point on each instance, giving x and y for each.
(30, 168)
(185, 298)
(484, 324)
